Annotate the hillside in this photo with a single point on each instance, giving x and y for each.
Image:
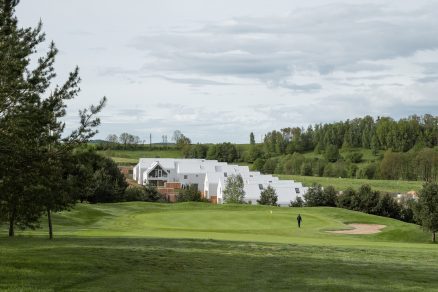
(188, 247)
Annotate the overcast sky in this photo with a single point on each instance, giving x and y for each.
(219, 70)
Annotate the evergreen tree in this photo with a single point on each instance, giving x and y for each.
(252, 139)
(33, 156)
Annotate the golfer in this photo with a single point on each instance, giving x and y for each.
(299, 220)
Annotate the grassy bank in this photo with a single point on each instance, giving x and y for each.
(390, 186)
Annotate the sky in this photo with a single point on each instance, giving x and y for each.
(219, 70)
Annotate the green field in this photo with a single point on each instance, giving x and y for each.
(341, 184)
(203, 247)
(131, 157)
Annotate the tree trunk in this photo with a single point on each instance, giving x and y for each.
(11, 226)
(433, 237)
(12, 223)
(49, 218)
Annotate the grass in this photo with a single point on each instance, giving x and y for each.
(390, 186)
(192, 247)
(131, 157)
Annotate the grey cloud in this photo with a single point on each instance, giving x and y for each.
(324, 39)
(428, 79)
(192, 81)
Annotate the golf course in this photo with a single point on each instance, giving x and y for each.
(199, 246)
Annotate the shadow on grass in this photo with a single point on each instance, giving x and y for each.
(155, 264)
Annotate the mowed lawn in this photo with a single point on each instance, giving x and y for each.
(341, 184)
(203, 247)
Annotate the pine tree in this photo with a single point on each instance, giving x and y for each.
(33, 169)
(252, 139)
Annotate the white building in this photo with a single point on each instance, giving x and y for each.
(210, 176)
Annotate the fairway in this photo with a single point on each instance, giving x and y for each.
(198, 246)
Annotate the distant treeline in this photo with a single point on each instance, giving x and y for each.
(381, 134)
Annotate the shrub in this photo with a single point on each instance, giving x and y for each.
(354, 157)
(268, 197)
(297, 203)
(152, 194)
(134, 193)
(189, 194)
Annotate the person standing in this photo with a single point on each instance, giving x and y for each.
(299, 220)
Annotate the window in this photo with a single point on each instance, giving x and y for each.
(225, 174)
(186, 176)
(297, 190)
(260, 186)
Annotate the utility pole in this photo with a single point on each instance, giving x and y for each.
(150, 141)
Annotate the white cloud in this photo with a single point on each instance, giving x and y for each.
(218, 72)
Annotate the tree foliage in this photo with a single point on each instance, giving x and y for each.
(35, 153)
(426, 212)
(268, 196)
(234, 192)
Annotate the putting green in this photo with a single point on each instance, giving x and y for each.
(229, 222)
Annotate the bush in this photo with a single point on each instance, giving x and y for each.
(268, 197)
(134, 193)
(354, 157)
(270, 165)
(258, 164)
(306, 169)
(189, 194)
(297, 203)
(151, 194)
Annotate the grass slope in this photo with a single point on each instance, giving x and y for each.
(131, 157)
(390, 186)
(191, 247)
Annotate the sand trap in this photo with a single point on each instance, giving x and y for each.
(361, 229)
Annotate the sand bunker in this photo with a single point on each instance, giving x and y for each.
(361, 229)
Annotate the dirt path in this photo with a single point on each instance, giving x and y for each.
(361, 229)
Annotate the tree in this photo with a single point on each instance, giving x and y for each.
(268, 197)
(176, 136)
(251, 139)
(113, 139)
(388, 207)
(102, 181)
(34, 176)
(317, 196)
(331, 153)
(234, 192)
(297, 203)
(126, 139)
(426, 211)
